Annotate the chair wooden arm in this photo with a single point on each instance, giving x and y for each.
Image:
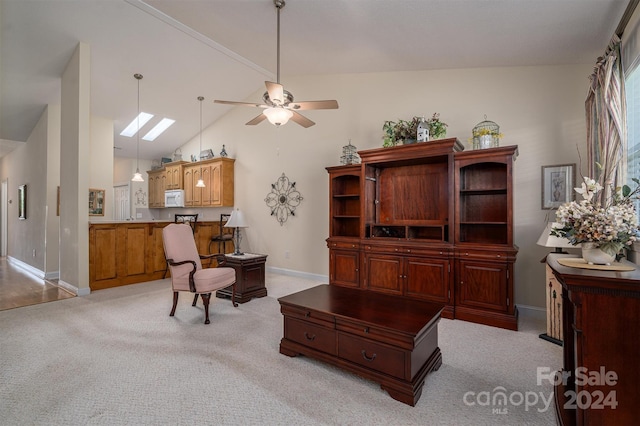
(192, 284)
(220, 258)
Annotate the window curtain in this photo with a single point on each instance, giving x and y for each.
(606, 120)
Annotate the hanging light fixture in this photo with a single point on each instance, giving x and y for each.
(200, 183)
(137, 176)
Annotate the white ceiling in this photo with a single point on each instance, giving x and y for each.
(226, 49)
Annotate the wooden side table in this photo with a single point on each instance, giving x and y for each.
(249, 276)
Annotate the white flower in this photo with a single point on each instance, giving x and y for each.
(613, 224)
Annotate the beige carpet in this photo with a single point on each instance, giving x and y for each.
(116, 357)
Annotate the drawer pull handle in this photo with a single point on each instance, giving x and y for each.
(309, 338)
(364, 355)
(307, 315)
(366, 329)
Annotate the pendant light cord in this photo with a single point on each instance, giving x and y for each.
(138, 77)
(200, 98)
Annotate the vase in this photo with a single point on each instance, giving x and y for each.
(592, 254)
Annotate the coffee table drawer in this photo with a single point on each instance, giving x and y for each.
(311, 335)
(373, 355)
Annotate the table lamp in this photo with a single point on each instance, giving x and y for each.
(236, 221)
(548, 240)
(553, 290)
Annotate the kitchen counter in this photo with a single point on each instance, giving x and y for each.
(123, 252)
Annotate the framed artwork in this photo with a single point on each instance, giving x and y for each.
(557, 185)
(22, 202)
(96, 202)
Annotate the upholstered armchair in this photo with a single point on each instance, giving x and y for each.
(186, 269)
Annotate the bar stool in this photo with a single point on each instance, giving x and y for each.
(222, 238)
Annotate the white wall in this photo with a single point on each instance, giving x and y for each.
(101, 161)
(540, 109)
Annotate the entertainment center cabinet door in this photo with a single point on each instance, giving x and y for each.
(344, 264)
(384, 273)
(428, 279)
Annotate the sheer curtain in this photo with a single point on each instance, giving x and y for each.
(606, 120)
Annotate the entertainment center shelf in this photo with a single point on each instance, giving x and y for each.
(428, 221)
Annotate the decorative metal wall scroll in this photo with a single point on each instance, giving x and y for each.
(283, 199)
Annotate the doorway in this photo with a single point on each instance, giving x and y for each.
(121, 203)
(4, 208)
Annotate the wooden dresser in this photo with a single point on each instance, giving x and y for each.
(387, 339)
(601, 330)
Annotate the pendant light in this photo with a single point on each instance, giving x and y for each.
(137, 177)
(200, 183)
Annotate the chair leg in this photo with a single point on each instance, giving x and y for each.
(205, 300)
(233, 295)
(166, 269)
(195, 299)
(175, 303)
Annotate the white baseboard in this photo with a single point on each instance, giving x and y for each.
(26, 267)
(48, 276)
(73, 289)
(300, 274)
(532, 312)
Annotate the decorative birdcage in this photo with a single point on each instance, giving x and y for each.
(486, 134)
(349, 154)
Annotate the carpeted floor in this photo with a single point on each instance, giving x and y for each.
(116, 357)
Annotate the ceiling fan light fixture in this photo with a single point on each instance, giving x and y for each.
(278, 115)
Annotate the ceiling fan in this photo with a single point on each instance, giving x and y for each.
(278, 103)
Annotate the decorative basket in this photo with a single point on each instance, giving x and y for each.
(486, 134)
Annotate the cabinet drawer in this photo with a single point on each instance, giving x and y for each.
(485, 255)
(373, 355)
(404, 249)
(311, 335)
(343, 245)
(373, 333)
(308, 315)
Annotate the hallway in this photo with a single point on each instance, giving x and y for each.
(19, 288)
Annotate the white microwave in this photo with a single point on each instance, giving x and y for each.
(174, 198)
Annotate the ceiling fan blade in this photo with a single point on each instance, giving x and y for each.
(276, 92)
(313, 105)
(301, 120)
(241, 104)
(259, 119)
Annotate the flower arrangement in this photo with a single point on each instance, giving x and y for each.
(397, 132)
(611, 223)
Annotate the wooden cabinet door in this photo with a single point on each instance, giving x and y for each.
(211, 193)
(384, 273)
(174, 177)
(189, 185)
(428, 279)
(482, 285)
(344, 267)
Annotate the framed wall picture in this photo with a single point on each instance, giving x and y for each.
(96, 202)
(22, 202)
(557, 185)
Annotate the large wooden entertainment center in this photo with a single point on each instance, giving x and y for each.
(428, 221)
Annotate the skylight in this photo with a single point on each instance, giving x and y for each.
(132, 128)
(158, 129)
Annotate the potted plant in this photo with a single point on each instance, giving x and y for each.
(400, 132)
(405, 131)
(437, 128)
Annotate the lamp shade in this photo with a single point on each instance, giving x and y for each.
(278, 115)
(548, 240)
(236, 220)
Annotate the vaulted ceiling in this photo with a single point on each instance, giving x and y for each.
(226, 49)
